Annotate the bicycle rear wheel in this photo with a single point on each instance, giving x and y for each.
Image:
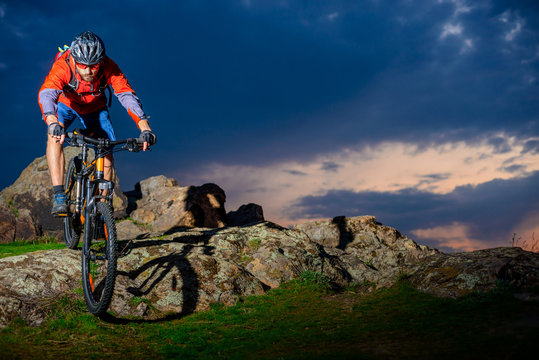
(72, 222)
(99, 259)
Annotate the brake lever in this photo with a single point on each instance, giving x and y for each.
(131, 147)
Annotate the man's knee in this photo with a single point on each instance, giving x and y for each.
(54, 143)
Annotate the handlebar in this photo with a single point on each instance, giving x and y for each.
(132, 144)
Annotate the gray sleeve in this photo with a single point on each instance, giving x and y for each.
(131, 103)
(48, 100)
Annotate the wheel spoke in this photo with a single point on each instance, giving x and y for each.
(91, 282)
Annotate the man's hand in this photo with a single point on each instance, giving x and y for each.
(148, 138)
(56, 131)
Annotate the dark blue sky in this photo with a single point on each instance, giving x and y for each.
(254, 84)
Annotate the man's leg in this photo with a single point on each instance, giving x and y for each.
(55, 159)
(108, 164)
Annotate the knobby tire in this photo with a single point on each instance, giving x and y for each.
(72, 224)
(99, 259)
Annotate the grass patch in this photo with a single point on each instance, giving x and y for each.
(244, 259)
(315, 278)
(138, 223)
(302, 319)
(361, 287)
(255, 243)
(137, 300)
(13, 208)
(20, 246)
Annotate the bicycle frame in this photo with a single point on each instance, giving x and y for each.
(87, 181)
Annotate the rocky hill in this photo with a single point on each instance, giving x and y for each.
(157, 203)
(187, 270)
(180, 252)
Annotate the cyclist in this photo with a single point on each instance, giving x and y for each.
(75, 89)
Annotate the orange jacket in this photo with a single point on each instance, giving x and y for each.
(88, 97)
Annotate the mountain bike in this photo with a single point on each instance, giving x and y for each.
(90, 211)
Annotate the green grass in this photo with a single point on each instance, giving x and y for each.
(13, 208)
(255, 243)
(302, 319)
(143, 225)
(19, 247)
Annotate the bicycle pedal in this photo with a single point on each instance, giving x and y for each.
(60, 215)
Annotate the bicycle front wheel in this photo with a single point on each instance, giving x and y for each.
(99, 259)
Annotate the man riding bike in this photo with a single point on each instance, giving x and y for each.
(75, 89)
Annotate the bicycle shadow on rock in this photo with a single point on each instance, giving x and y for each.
(168, 277)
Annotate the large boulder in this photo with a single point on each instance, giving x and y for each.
(179, 273)
(33, 191)
(17, 224)
(164, 205)
(7, 224)
(28, 282)
(362, 241)
(453, 275)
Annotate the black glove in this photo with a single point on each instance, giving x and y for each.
(55, 129)
(148, 136)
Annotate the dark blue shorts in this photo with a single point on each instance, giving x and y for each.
(98, 121)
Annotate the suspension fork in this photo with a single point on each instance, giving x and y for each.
(79, 191)
(104, 187)
(80, 181)
(89, 214)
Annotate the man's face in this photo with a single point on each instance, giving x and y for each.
(87, 72)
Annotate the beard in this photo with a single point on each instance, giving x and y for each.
(88, 78)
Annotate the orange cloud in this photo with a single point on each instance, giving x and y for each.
(455, 236)
(386, 167)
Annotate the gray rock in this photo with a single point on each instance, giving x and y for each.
(17, 224)
(127, 229)
(453, 275)
(29, 282)
(26, 226)
(179, 274)
(164, 205)
(148, 186)
(8, 223)
(362, 240)
(274, 254)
